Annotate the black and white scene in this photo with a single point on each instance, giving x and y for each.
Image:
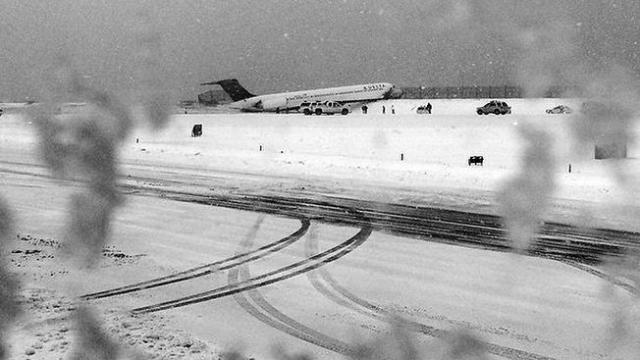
(320, 180)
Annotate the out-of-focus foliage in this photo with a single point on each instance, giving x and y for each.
(524, 198)
(397, 344)
(152, 94)
(83, 145)
(9, 285)
(90, 215)
(463, 345)
(5, 220)
(91, 343)
(400, 343)
(547, 56)
(233, 354)
(624, 319)
(607, 115)
(280, 352)
(9, 309)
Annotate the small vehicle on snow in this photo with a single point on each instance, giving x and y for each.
(331, 107)
(308, 107)
(560, 109)
(423, 109)
(475, 160)
(494, 107)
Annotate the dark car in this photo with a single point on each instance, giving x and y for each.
(560, 109)
(494, 107)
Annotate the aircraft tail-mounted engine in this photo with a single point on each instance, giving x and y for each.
(275, 104)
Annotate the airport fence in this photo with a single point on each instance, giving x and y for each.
(474, 92)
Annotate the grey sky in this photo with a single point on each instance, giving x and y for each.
(272, 45)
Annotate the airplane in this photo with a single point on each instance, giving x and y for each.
(287, 101)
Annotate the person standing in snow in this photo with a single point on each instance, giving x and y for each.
(364, 109)
(383, 109)
(429, 108)
(393, 110)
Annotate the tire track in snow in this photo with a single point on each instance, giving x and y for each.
(584, 245)
(630, 288)
(257, 306)
(563, 239)
(274, 276)
(324, 283)
(269, 315)
(210, 268)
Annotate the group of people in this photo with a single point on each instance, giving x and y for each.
(426, 108)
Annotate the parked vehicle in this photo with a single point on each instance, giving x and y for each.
(423, 109)
(331, 107)
(494, 107)
(308, 107)
(475, 160)
(560, 109)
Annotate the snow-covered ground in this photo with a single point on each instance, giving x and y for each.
(528, 304)
(401, 151)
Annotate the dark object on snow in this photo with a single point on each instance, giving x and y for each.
(475, 160)
(612, 150)
(197, 130)
(424, 109)
(494, 107)
(560, 109)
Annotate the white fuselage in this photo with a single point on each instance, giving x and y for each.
(292, 100)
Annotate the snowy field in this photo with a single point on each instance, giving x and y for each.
(367, 149)
(541, 308)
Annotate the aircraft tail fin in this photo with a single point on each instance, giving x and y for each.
(233, 88)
